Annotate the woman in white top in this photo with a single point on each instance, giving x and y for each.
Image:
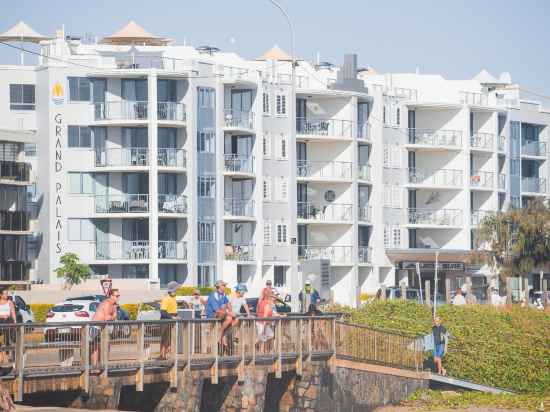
(7, 315)
(238, 301)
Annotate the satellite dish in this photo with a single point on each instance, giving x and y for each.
(330, 196)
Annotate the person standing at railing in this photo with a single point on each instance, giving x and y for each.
(309, 296)
(168, 310)
(105, 312)
(265, 309)
(197, 303)
(440, 336)
(218, 307)
(7, 316)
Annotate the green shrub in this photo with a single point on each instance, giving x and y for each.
(40, 310)
(206, 290)
(507, 348)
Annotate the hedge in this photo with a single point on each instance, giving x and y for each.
(507, 348)
(40, 310)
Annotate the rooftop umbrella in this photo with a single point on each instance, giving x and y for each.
(23, 34)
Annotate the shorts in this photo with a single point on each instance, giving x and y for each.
(439, 350)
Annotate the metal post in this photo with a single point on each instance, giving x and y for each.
(141, 357)
(333, 357)
(85, 358)
(545, 292)
(104, 352)
(403, 292)
(278, 362)
(435, 282)
(240, 367)
(526, 290)
(19, 359)
(509, 291)
(383, 289)
(427, 298)
(175, 350)
(419, 282)
(214, 371)
(191, 326)
(299, 360)
(448, 290)
(309, 346)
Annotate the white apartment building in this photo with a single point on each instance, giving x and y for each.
(159, 162)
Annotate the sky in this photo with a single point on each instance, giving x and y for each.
(453, 38)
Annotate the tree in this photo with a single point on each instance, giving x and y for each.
(72, 270)
(515, 242)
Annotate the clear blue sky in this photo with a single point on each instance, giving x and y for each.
(454, 38)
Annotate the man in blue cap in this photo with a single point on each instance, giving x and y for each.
(217, 307)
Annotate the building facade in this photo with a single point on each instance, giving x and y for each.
(159, 162)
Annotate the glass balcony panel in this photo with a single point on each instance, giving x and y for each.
(170, 203)
(123, 203)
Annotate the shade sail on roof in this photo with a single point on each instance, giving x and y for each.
(133, 33)
(23, 33)
(275, 53)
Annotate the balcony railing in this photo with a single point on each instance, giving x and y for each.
(206, 251)
(502, 181)
(502, 143)
(332, 212)
(435, 177)
(171, 111)
(324, 170)
(436, 138)
(14, 271)
(242, 253)
(436, 217)
(169, 157)
(533, 148)
(364, 254)
(364, 214)
(126, 156)
(482, 179)
(124, 203)
(474, 98)
(364, 172)
(16, 221)
(15, 171)
(172, 249)
(237, 163)
(479, 215)
(324, 127)
(336, 254)
(122, 110)
(485, 141)
(533, 184)
(363, 131)
(122, 249)
(238, 207)
(169, 203)
(238, 119)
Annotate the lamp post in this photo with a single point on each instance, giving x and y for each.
(295, 282)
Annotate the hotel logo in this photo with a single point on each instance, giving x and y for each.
(57, 93)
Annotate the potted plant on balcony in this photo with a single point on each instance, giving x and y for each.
(72, 271)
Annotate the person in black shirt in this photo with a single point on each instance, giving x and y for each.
(439, 332)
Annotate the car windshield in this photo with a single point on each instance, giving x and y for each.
(67, 308)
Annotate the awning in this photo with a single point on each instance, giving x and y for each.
(133, 33)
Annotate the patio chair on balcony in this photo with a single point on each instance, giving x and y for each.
(140, 110)
(137, 205)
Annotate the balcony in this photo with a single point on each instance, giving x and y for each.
(172, 249)
(238, 119)
(15, 172)
(125, 110)
(171, 111)
(439, 139)
(14, 271)
(482, 141)
(364, 254)
(239, 164)
(478, 216)
(535, 149)
(324, 127)
(14, 221)
(435, 177)
(435, 217)
(482, 180)
(323, 170)
(206, 252)
(336, 254)
(240, 253)
(124, 203)
(364, 132)
(170, 203)
(329, 213)
(364, 214)
(364, 173)
(533, 185)
(238, 207)
(474, 98)
(502, 143)
(122, 157)
(169, 157)
(502, 181)
(122, 250)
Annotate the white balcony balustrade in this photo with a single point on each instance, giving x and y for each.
(172, 249)
(323, 170)
(331, 212)
(239, 252)
(478, 216)
(364, 172)
(121, 110)
(169, 157)
(122, 203)
(122, 157)
(435, 177)
(480, 179)
(364, 214)
(238, 207)
(238, 163)
(364, 131)
(435, 217)
(336, 254)
(502, 181)
(170, 203)
(474, 98)
(171, 111)
(364, 254)
(502, 143)
(238, 119)
(324, 127)
(436, 138)
(122, 250)
(533, 149)
(483, 141)
(533, 185)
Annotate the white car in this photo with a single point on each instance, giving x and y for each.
(69, 311)
(23, 311)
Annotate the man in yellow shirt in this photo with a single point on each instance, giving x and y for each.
(168, 310)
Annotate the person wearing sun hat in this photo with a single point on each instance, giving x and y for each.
(168, 310)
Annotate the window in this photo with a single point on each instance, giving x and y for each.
(206, 98)
(392, 157)
(205, 275)
(206, 142)
(282, 189)
(279, 278)
(81, 229)
(515, 202)
(266, 146)
(386, 236)
(80, 183)
(206, 231)
(266, 103)
(30, 149)
(283, 154)
(398, 116)
(267, 234)
(22, 97)
(80, 136)
(281, 234)
(396, 237)
(514, 167)
(392, 196)
(267, 189)
(207, 186)
(79, 89)
(281, 105)
(392, 236)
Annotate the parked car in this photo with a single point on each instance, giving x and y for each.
(68, 311)
(23, 311)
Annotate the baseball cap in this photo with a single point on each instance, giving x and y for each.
(172, 286)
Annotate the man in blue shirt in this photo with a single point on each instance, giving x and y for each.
(217, 307)
(309, 296)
